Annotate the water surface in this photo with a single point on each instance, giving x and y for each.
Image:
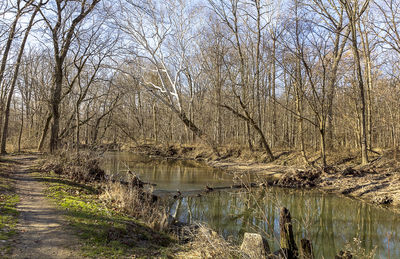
(330, 221)
(169, 175)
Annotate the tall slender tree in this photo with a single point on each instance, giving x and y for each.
(62, 21)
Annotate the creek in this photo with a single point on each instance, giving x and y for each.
(329, 221)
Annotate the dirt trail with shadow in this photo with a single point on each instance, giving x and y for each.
(43, 231)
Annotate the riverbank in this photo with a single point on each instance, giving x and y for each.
(110, 219)
(122, 220)
(377, 182)
(102, 220)
(208, 244)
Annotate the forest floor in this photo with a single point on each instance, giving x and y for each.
(377, 182)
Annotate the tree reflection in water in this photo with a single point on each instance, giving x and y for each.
(329, 221)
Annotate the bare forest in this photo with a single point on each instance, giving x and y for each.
(312, 76)
(178, 128)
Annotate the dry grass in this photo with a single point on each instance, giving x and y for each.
(208, 244)
(357, 251)
(129, 199)
(82, 167)
(138, 203)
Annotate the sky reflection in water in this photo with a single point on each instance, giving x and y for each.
(330, 221)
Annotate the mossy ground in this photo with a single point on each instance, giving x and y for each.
(105, 232)
(8, 210)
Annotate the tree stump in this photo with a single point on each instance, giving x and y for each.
(288, 245)
(306, 249)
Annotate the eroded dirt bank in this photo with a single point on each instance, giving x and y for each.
(378, 182)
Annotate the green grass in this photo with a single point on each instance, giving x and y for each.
(8, 221)
(104, 231)
(8, 210)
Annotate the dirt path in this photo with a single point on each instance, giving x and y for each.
(43, 232)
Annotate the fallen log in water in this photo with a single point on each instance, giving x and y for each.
(136, 182)
(200, 192)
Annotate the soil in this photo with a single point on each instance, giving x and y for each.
(43, 231)
(377, 182)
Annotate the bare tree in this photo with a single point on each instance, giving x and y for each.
(15, 76)
(62, 21)
(355, 10)
(243, 85)
(162, 34)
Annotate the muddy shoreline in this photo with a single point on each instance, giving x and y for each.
(377, 183)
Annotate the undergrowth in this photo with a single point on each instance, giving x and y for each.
(137, 203)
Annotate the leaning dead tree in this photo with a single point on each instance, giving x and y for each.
(162, 34)
(245, 84)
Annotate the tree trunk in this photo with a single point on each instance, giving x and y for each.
(77, 128)
(95, 131)
(353, 15)
(301, 130)
(13, 83)
(87, 126)
(44, 132)
(299, 107)
(21, 128)
(363, 131)
(248, 131)
(322, 146)
(55, 106)
(155, 131)
(7, 47)
(60, 52)
(273, 90)
(369, 90)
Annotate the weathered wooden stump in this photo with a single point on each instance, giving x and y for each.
(255, 246)
(287, 242)
(306, 249)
